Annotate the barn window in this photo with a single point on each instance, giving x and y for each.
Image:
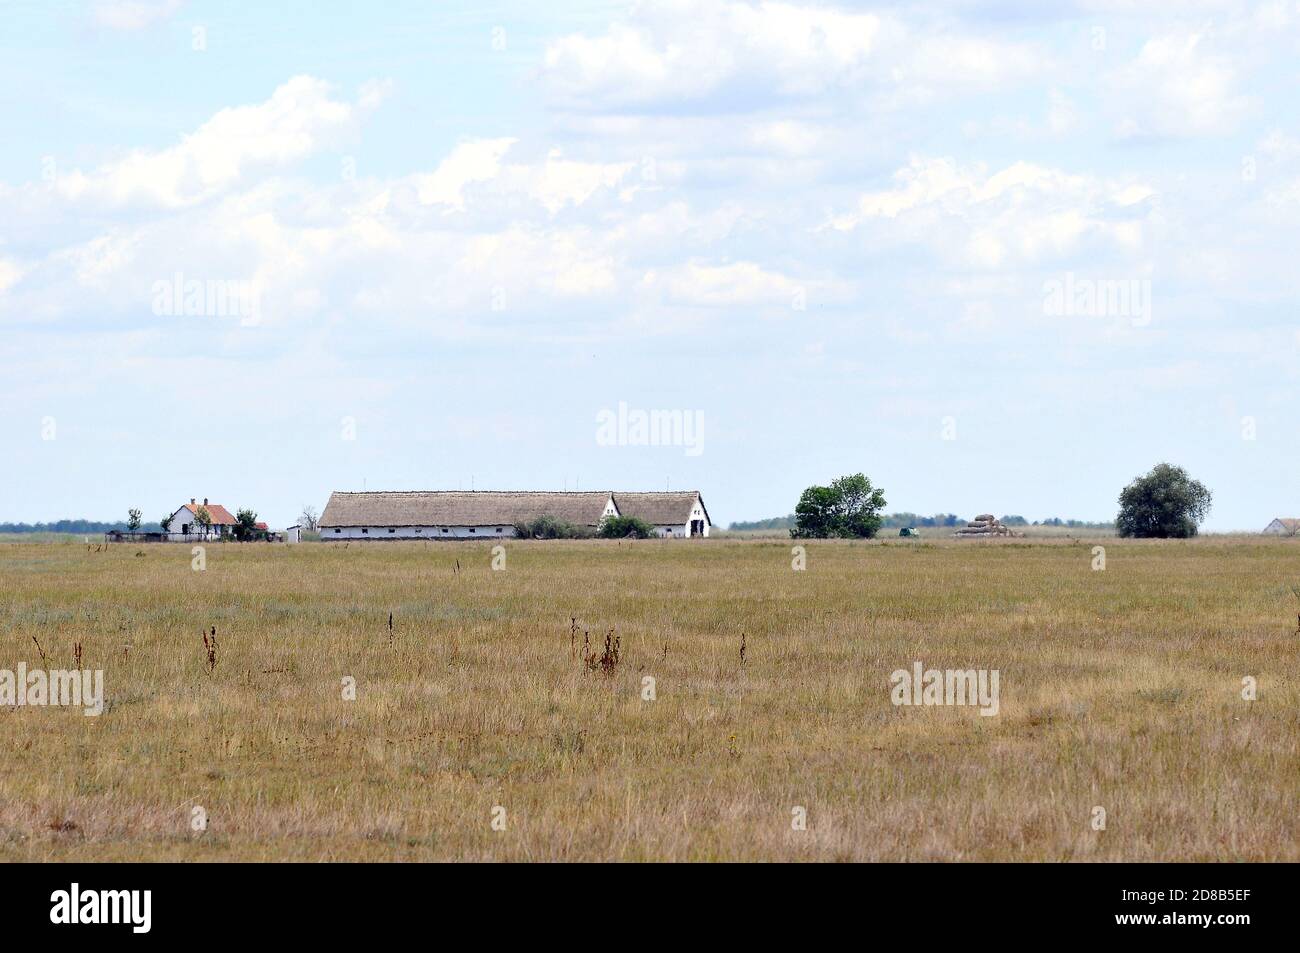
(338, 530)
(365, 529)
(392, 530)
(473, 530)
(444, 529)
(498, 529)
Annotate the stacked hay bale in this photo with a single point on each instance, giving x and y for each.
(984, 525)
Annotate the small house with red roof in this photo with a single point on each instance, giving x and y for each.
(185, 523)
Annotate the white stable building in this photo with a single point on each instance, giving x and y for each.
(679, 515)
(492, 514)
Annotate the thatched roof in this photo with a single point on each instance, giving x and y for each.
(460, 508)
(659, 508)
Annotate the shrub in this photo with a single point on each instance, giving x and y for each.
(621, 527)
(548, 527)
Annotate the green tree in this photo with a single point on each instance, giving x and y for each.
(1165, 503)
(849, 507)
(204, 519)
(814, 514)
(133, 517)
(245, 525)
(858, 509)
(166, 523)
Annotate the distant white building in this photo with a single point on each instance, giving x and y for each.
(185, 525)
(679, 515)
(1283, 526)
(492, 514)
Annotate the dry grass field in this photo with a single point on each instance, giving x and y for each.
(1119, 689)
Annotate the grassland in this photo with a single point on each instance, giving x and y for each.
(1119, 689)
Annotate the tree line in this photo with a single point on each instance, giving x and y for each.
(938, 520)
(77, 526)
(1165, 503)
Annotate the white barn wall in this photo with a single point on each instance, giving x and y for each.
(675, 530)
(683, 530)
(328, 533)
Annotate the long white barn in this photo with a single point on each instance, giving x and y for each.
(492, 514)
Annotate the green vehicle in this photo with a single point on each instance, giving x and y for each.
(909, 531)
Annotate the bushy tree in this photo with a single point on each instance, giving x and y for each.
(849, 507)
(133, 518)
(166, 523)
(621, 527)
(203, 518)
(814, 514)
(245, 525)
(858, 509)
(1165, 503)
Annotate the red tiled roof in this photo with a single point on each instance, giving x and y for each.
(220, 515)
(261, 526)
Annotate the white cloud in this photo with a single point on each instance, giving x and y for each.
(553, 183)
(732, 56)
(10, 273)
(299, 119)
(715, 286)
(1279, 146)
(1022, 213)
(1177, 86)
(559, 182)
(476, 161)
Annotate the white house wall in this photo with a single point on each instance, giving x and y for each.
(183, 516)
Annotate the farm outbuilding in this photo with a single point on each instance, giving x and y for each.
(492, 514)
(454, 514)
(1283, 526)
(680, 514)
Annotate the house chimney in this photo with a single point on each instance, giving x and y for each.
(205, 501)
(191, 501)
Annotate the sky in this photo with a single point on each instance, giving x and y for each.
(999, 256)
